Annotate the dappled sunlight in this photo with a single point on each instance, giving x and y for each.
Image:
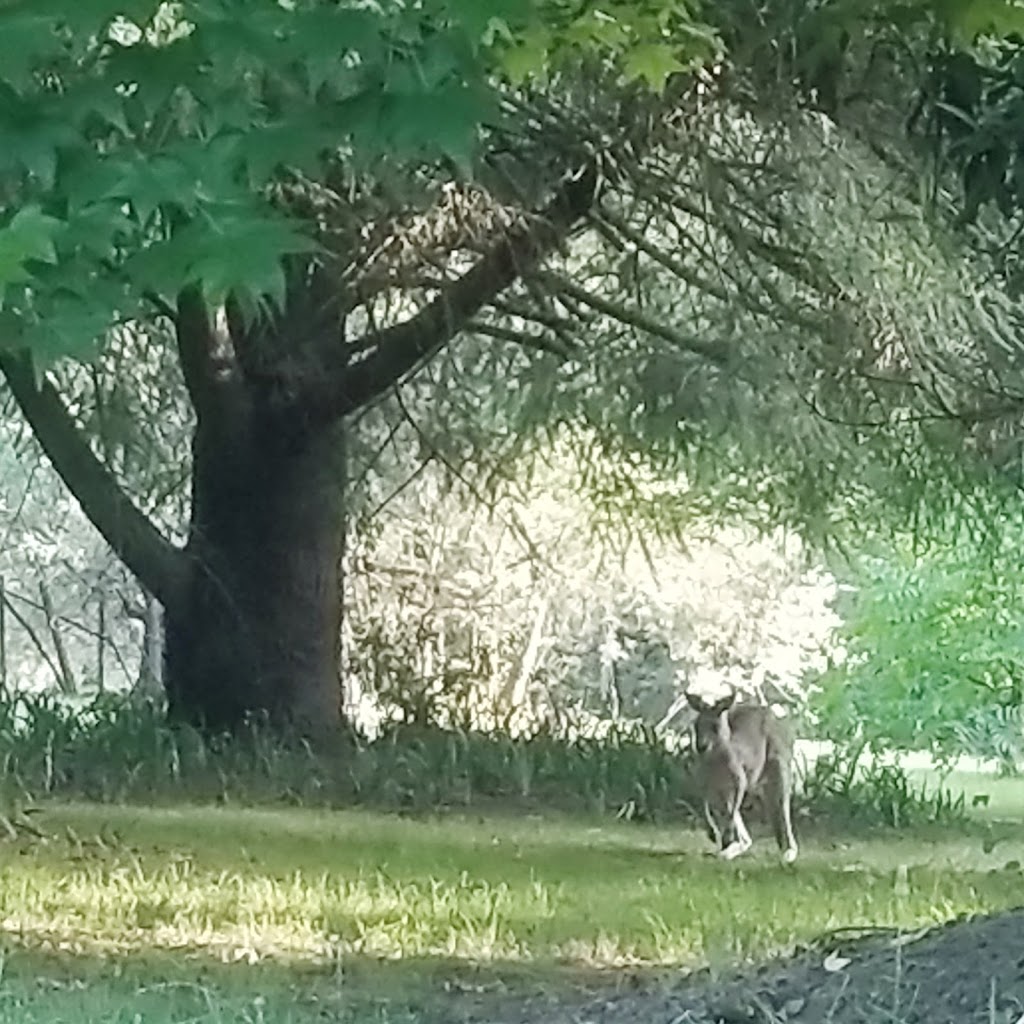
(300, 887)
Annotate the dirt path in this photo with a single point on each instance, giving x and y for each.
(967, 972)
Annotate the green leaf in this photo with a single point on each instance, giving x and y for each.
(184, 177)
(165, 267)
(442, 122)
(322, 38)
(475, 17)
(245, 254)
(94, 103)
(233, 250)
(597, 29)
(298, 141)
(969, 19)
(88, 17)
(97, 229)
(153, 74)
(71, 327)
(652, 63)
(32, 131)
(28, 38)
(28, 237)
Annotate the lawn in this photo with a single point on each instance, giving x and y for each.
(223, 914)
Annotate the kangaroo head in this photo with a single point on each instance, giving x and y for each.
(712, 723)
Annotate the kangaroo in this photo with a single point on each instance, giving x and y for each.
(741, 747)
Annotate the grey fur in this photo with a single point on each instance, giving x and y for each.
(741, 747)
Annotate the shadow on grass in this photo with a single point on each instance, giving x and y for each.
(356, 913)
(158, 986)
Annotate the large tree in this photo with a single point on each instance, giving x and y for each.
(240, 178)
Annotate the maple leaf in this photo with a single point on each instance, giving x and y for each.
(653, 63)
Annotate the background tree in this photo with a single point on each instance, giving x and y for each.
(929, 653)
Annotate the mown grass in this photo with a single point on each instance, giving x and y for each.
(299, 887)
(987, 796)
(232, 914)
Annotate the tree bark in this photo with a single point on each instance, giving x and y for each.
(257, 632)
(149, 683)
(66, 677)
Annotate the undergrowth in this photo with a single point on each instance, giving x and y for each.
(114, 751)
(879, 793)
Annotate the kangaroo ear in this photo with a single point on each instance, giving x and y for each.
(695, 702)
(724, 703)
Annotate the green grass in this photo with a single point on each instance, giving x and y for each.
(225, 914)
(988, 797)
(136, 908)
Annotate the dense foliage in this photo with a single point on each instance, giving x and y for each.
(140, 139)
(931, 649)
(284, 212)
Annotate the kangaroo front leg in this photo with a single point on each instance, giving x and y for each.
(741, 837)
(714, 832)
(741, 843)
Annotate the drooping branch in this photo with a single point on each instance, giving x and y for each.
(399, 350)
(158, 565)
(713, 352)
(528, 340)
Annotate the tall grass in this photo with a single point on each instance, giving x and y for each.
(111, 751)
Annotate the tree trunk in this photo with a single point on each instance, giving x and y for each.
(149, 684)
(66, 676)
(257, 627)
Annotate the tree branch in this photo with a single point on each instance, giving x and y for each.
(714, 352)
(37, 641)
(400, 349)
(192, 335)
(205, 350)
(524, 339)
(158, 565)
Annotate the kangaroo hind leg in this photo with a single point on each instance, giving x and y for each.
(714, 831)
(778, 791)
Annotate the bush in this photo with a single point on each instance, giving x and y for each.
(932, 655)
(110, 750)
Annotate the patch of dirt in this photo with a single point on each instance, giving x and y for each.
(967, 972)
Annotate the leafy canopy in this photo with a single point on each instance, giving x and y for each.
(138, 139)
